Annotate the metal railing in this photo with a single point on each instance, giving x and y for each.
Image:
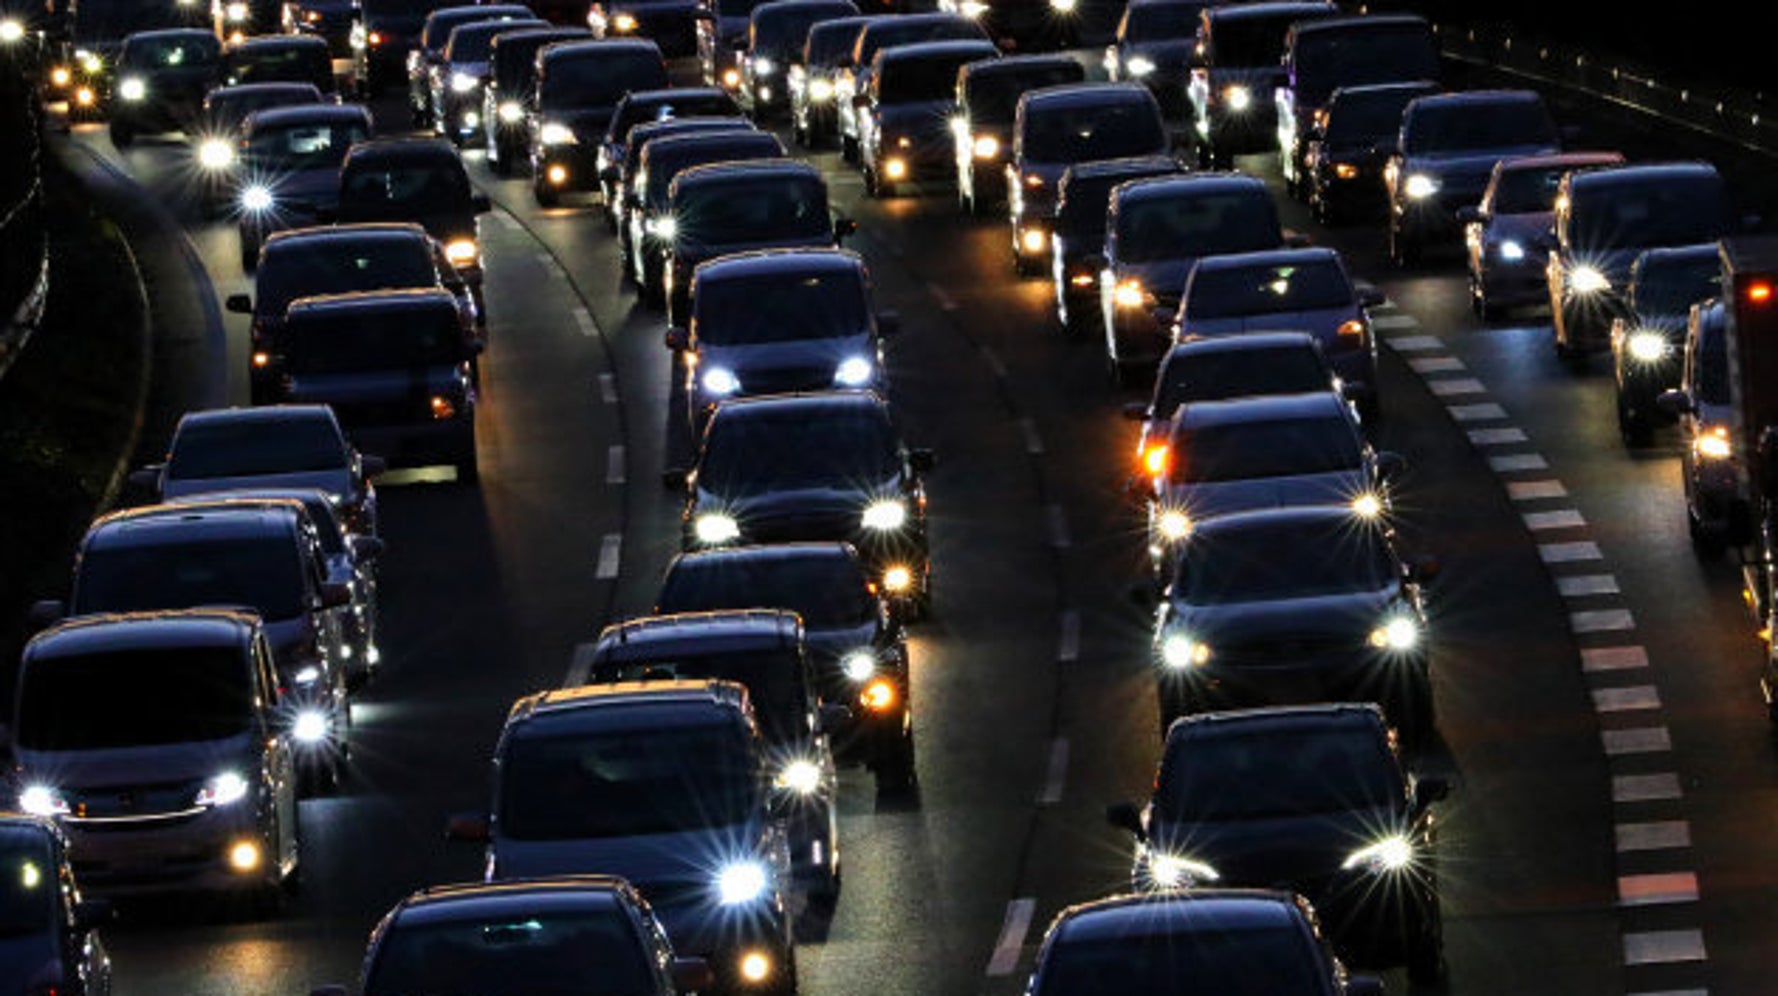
(24, 238)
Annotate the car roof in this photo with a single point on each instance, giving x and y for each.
(789, 6)
(1270, 408)
(404, 301)
(160, 33)
(697, 123)
(789, 169)
(1010, 64)
(843, 24)
(590, 47)
(1076, 94)
(1463, 98)
(709, 631)
(667, 95)
(278, 41)
(1628, 173)
(112, 631)
(343, 235)
(712, 696)
(760, 262)
(401, 150)
(1366, 716)
(1256, 341)
(309, 114)
(1191, 183)
(496, 25)
(1134, 166)
(1679, 254)
(528, 31)
(1268, 257)
(269, 87)
(1573, 160)
(1425, 88)
(1333, 517)
(961, 47)
(481, 12)
(765, 553)
(814, 404)
(1118, 917)
(513, 897)
(739, 134)
(160, 525)
(1266, 8)
(257, 413)
(1348, 21)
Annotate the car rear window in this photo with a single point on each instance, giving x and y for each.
(788, 307)
(263, 573)
(1477, 126)
(344, 341)
(1077, 131)
(753, 210)
(1235, 291)
(1216, 375)
(1190, 223)
(554, 953)
(251, 447)
(1278, 448)
(341, 267)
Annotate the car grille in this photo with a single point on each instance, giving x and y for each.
(127, 801)
(784, 379)
(802, 526)
(1286, 652)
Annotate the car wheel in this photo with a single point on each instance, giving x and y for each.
(122, 135)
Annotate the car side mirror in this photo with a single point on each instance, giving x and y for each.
(481, 204)
(675, 478)
(46, 613)
(1423, 570)
(1469, 214)
(1136, 411)
(1364, 985)
(1430, 790)
(691, 975)
(1390, 465)
(832, 718)
(468, 828)
(335, 595)
(91, 913)
(1296, 240)
(1676, 402)
(239, 304)
(1370, 297)
(677, 337)
(888, 322)
(371, 465)
(367, 547)
(844, 228)
(1125, 816)
(921, 460)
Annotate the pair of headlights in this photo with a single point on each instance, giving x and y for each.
(853, 371)
(882, 516)
(225, 789)
(1394, 853)
(1181, 651)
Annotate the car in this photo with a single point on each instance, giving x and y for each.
(672, 792)
(814, 97)
(1302, 289)
(1445, 153)
(722, 29)
(289, 168)
(1605, 217)
(853, 78)
(776, 34)
(512, 84)
(632, 183)
(1058, 126)
(807, 467)
(1023, 25)
(1508, 235)
(1328, 54)
(197, 793)
(162, 77)
(761, 649)
(53, 929)
(422, 181)
(383, 44)
(234, 20)
(1648, 339)
(1250, 365)
(1156, 231)
(215, 147)
(425, 60)
(1153, 46)
(1249, 618)
(1719, 508)
(649, 226)
(337, 259)
(641, 108)
(279, 59)
(1345, 149)
(270, 446)
(987, 100)
(1239, 60)
(394, 365)
(1083, 196)
(903, 129)
(670, 24)
(779, 321)
(95, 34)
(336, 22)
(723, 208)
(1207, 940)
(579, 85)
(1310, 798)
(852, 630)
(497, 938)
(465, 70)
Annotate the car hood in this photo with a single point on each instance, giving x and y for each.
(650, 862)
(587, 123)
(1204, 499)
(827, 644)
(337, 482)
(1163, 278)
(88, 771)
(1284, 620)
(316, 187)
(920, 117)
(1320, 322)
(802, 503)
(377, 385)
(814, 357)
(1289, 852)
(479, 69)
(1261, 80)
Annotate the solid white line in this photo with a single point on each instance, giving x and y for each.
(1453, 386)
(993, 360)
(1415, 343)
(945, 301)
(610, 549)
(1436, 364)
(1568, 553)
(1068, 646)
(1601, 621)
(1058, 773)
(1662, 947)
(579, 665)
(1626, 699)
(1058, 527)
(1512, 463)
(614, 465)
(1595, 659)
(608, 388)
(1658, 836)
(1561, 518)
(1480, 412)
(1657, 890)
(1497, 437)
(1581, 585)
(584, 319)
(1033, 441)
(1012, 936)
(1394, 323)
(1535, 490)
(1645, 788)
(1642, 740)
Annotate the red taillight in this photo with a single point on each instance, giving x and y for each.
(376, 38)
(1155, 460)
(1353, 329)
(1759, 292)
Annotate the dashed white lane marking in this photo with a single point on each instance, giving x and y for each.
(614, 465)
(1628, 699)
(1601, 621)
(1582, 585)
(1596, 659)
(1012, 936)
(945, 301)
(1451, 387)
(1415, 343)
(580, 665)
(608, 389)
(1657, 890)
(1535, 490)
(1068, 644)
(994, 362)
(1664, 947)
(583, 319)
(1482, 412)
(1058, 773)
(1656, 836)
(1512, 463)
(1058, 523)
(1569, 553)
(610, 551)
(1436, 364)
(1394, 323)
(1033, 441)
(1561, 518)
(1496, 437)
(1641, 740)
(1645, 788)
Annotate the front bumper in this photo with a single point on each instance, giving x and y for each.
(172, 853)
(578, 166)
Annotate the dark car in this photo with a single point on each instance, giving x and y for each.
(394, 366)
(389, 33)
(776, 321)
(618, 152)
(632, 184)
(1719, 500)
(722, 38)
(498, 938)
(216, 147)
(667, 784)
(649, 226)
(1023, 25)
(813, 83)
(987, 101)
(288, 170)
(338, 23)
(761, 649)
(1285, 605)
(425, 61)
(465, 70)
(724, 208)
(1346, 149)
(828, 466)
(776, 34)
(1058, 126)
(904, 127)
(1648, 339)
(1237, 65)
(1510, 233)
(1202, 940)
(1154, 45)
(51, 928)
(97, 29)
(1311, 798)
(1083, 197)
(279, 59)
(337, 259)
(854, 78)
(579, 85)
(512, 86)
(1605, 218)
(851, 628)
(670, 24)
(162, 77)
(422, 181)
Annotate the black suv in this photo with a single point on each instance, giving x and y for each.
(1648, 338)
(419, 180)
(579, 85)
(162, 77)
(987, 98)
(512, 86)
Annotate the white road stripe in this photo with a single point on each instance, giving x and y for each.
(1012, 936)
(1436, 364)
(1058, 773)
(1058, 522)
(993, 360)
(1645, 788)
(1450, 387)
(1512, 463)
(945, 301)
(1626, 699)
(1641, 740)
(1568, 553)
(1582, 585)
(1657, 890)
(1497, 437)
(1601, 621)
(583, 319)
(1481, 412)
(614, 465)
(608, 388)
(1535, 490)
(1664, 947)
(1394, 323)
(1415, 343)
(1656, 836)
(610, 550)
(1033, 441)
(1597, 659)
(1068, 646)
(1561, 518)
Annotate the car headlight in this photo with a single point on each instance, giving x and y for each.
(311, 726)
(741, 882)
(715, 528)
(972, 9)
(898, 579)
(719, 380)
(1139, 65)
(1064, 6)
(661, 228)
(820, 90)
(461, 252)
(1713, 443)
(41, 800)
(216, 154)
(764, 67)
(1368, 505)
(225, 789)
(854, 371)
(132, 88)
(623, 24)
(985, 147)
(1390, 854)
(1237, 98)
(731, 78)
(511, 112)
(1648, 347)
(1130, 294)
(1510, 251)
(859, 665)
(1172, 871)
(257, 198)
(463, 82)
(554, 133)
(1398, 633)
(89, 62)
(11, 31)
(1179, 652)
(799, 775)
(886, 515)
(306, 675)
(235, 12)
(1173, 525)
(1587, 280)
(1419, 186)
(60, 76)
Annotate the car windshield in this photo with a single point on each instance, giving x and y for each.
(303, 146)
(672, 779)
(599, 77)
(1282, 447)
(1712, 361)
(1675, 283)
(781, 33)
(1236, 291)
(112, 20)
(1251, 42)
(1461, 126)
(343, 341)
(1256, 774)
(1668, 211)
(830, 45)
(1076, 131)
(773, 680)
(400, 192)
(282, 63)
(1162, 21)
(1191, 224)
(1244, 960)
(927, 78)
(1220, 374)
(337, 266)
(658, 166)
(471, 42)
(892, 31)
(794, 449)
(1362, 55)
(824, 589)
(1366, 119)
(790, 307)
(29, 882)
(251, 447)
(594, 952)
(263, 573)
(1527, 189)
(753, 211)
(180, 52)
(994, 95)
(135, 698)
(225, 112)
(1268, 564)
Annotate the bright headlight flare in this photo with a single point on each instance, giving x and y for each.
(1130, 294)
(886, 515)
(714, 528)
(132, 88)
(985, 147)
(216, 154)
(859, 665)
(1587, 280)
(225, 789)
(11, 31)
(1032, 239)
(1157, 459)
(90, 62)
(463, 82)
(731, 77)
(1173, 525)
(1180, 652)
(442, 408)
(1419, 186)
(661, 228)
(1238, 98)
(801, 776)
(461, 252)
(1648, 347)
(85, 96)
(41, 800)
(718, 380)
(60, 76)
(820, 90)
(1064, 6)
(878, 696)
(1367, 505)
(1170, 871)
(257, 198)
(1713, 443)
(623, 24)
(1391, 854)
(556, 133)
(898, 579)
(741, 882)
(895, 168)
(557, 174)
(235, 12)
(308, 674)
(972, 9)
(1399, 633)
(755, 967)
(1345, 171)
(244, 856)
(1510, 251)
(311, 727)
(854, 371)
(510, 112)
(764, 67)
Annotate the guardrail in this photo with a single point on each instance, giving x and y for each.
(24, 238)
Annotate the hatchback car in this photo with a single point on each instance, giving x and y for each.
(579, 85)
(650, 228)
(1347, 148)
(161, 79)
(1648, 339)
(52, 929)
(511, 87)
(904, 132)
(854, 78)
(987, 100)
(1311, 798)
(1238, 64)
(1509, 234)
(465, 71)
(776, 34)
(670, 24)
(216, 146)
(630, 207)
(421, 181)
(425, 60)
(279, 59)
(814, 105)
(1154, 46)
(1719, 509)
(289, 170)
(641, 108)
(1083, 197)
